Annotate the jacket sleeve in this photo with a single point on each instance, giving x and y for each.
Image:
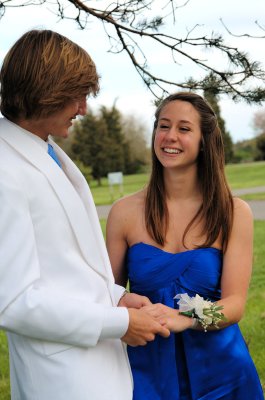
(29, 308)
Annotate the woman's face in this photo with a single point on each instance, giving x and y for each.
(178, 135)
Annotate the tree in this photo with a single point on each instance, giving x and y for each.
(135, 132)
(112, 120)
(259, 127)
(245, 151)
(212, 99)
(100, 142)
(259, 122)
(90, 145)
(260, 147)
(131, 27)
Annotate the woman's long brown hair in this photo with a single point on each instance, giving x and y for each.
(216, 210)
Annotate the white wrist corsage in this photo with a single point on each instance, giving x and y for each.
(205, 312)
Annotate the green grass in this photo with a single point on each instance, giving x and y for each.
(131, 183)
(4, 368)
(253, 196)
(246, 175)
(239, 176)
(252, 325)
(103, 227)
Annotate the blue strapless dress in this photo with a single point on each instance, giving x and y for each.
(191, 365)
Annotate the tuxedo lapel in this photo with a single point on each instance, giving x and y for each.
(68, 185)
(82, 188)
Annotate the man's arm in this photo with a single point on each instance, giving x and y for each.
(27, 306)
(30, 308)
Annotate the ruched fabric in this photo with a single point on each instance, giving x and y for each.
(192, 365)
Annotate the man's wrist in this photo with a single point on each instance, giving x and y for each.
(124, 294)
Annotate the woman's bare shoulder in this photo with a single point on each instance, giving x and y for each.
(129, 204)
(241, 208)
(243, 218)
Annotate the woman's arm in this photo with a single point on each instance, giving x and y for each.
(237, 264)
(117, 230)
(116, 242)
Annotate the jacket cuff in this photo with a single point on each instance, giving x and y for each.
(115, 322)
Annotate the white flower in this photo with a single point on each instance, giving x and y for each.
(205, 311)
(195, 304)
(185, 302)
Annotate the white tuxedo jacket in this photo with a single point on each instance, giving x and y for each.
(56, 285)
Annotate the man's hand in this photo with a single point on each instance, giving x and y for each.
(142, 328)
(133, 300)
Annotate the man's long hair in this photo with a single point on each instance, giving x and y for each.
(42, 72)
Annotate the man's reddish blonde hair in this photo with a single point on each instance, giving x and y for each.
(42, 72)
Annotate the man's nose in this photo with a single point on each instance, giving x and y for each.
(82, 107)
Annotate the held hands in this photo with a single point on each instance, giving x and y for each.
(169, 317)
(142, 328)
(146, 320)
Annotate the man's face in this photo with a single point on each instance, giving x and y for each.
(59, 123)
(56, 124)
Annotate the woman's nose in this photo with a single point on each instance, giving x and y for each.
(172, 134)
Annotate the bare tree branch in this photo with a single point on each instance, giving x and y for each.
(130, 26)
(244, 34)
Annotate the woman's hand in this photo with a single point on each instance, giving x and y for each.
(133, 300)
(169, 317)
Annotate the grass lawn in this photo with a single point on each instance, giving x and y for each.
(131, 184)
(4, 369)
(246, 175)
(253, 196)
(239, 176)
(252, 325)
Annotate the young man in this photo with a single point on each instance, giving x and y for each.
(57, 293)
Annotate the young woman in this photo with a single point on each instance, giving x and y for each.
(185, 233)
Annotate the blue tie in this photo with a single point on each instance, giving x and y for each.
(53, 154)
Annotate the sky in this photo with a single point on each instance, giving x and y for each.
(120, 83)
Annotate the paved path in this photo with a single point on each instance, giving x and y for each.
(257, 207)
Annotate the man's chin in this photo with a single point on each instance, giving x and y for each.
(64, 134)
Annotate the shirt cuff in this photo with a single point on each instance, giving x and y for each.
(115, 322)
(118, 292)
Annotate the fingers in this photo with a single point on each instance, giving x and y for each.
(164, 331)
(134, 342)
(146, 302)
(157, 310)
(142, 328)
(157, 306)
(155, 319)
(133, 300)
(168, 318)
